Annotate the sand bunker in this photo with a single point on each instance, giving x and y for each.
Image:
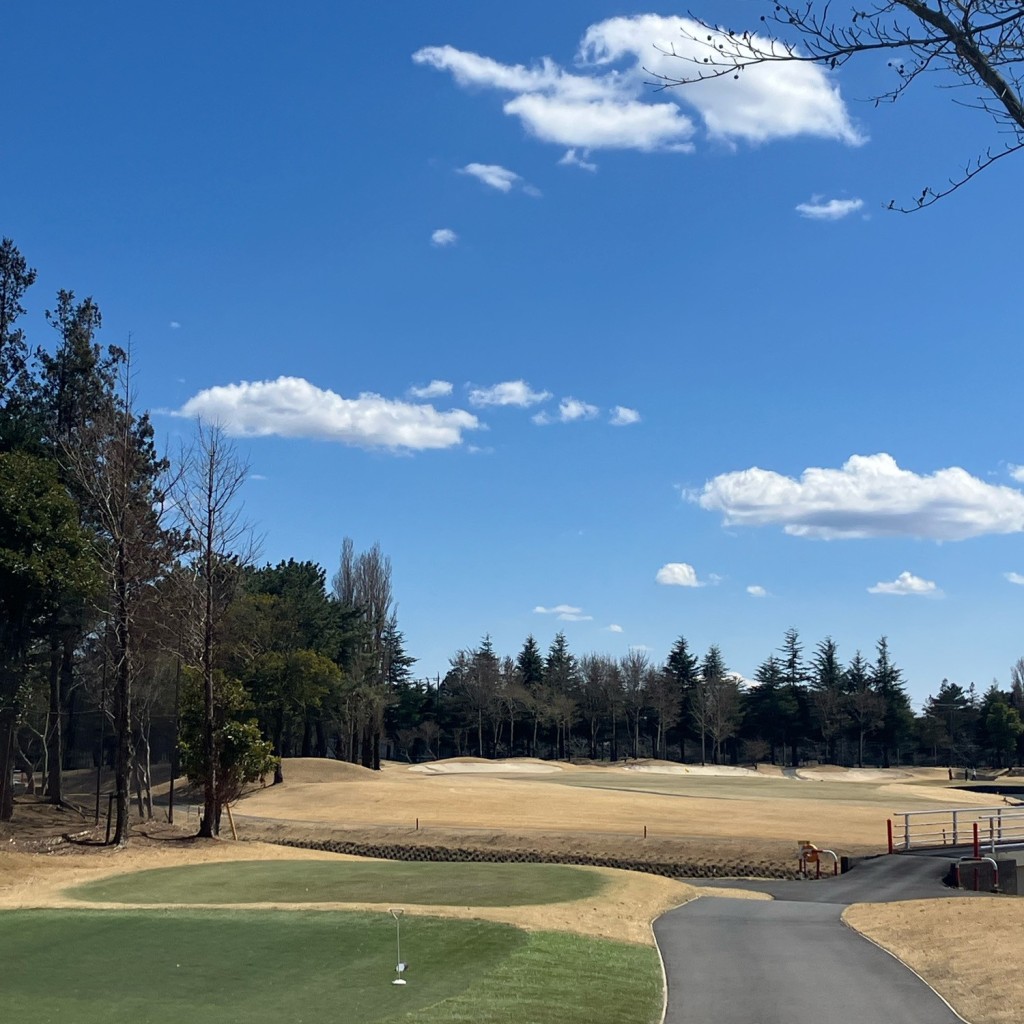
(720, 770)
(878, 776)
(465, 766)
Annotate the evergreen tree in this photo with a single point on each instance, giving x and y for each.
(863, 706)
(826, 694)
(887, 683)
(795, 677)
(682, 667)
(16, 277)
(530, 663)
(769, 706)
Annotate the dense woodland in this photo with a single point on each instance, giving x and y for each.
(137, 626)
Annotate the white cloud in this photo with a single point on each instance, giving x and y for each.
(614, 628)
(607, 102)
(757, 591)
(870, 496)
(1017, 472)
(831, 209)
(772, 101)
(564, 613)
(174, 325)
(509, 392)
(492, 175)
(443, 237)
(435, 389)
(569, 411)
(906, 583)
(572, 158)
(1015, 577)
(678, 574)
(292, 407)
(624, 417)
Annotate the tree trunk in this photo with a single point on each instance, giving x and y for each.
(123, 703)
(278, 731)
(6, 763)
(54, 745)
(68, 698)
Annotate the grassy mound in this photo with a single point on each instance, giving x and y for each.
(264, 967)
(326, 881)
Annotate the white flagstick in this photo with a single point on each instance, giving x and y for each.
(400, 968)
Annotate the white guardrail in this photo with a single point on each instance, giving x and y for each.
(988, 827)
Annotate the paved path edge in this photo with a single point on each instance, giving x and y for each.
(661, 959)
(842, 918)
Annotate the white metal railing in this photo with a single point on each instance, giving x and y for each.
(990, 827)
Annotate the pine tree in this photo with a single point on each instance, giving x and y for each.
(683, 668)
(887, 683)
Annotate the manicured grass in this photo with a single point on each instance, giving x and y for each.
(341, 881)
(267, 967)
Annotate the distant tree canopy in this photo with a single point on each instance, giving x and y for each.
(135, 623)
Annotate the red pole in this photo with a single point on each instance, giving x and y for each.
(888, 825)
(977, 845)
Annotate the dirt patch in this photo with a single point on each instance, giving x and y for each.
(967, 950)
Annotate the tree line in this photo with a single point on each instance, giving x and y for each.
(134, 622)
(798, 707)
(136, 626)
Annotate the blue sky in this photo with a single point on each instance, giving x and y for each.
(689, 375)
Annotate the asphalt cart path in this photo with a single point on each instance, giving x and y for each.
(792, 960)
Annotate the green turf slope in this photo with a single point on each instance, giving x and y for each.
(343, 881)
(267, 967)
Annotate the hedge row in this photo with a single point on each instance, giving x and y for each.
(674, 869)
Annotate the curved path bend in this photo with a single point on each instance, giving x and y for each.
(792, 960)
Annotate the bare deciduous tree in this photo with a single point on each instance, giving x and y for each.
(977, 45)
(115, 467)
(220, 542)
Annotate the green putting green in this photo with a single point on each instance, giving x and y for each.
(299, 967)
(344, 881)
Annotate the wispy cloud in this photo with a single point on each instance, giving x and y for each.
(907, 584)
(869, 496)
(174, 325)
(606, 101)
(509, 392)
(293, 407)
(614, 628)
(1015, 577)
(564, 613)
(623, 417)
(755, 590)
(443, 237)
(678, 574)
(435, 389)
(570, 410)
(573, 158)
(829, 209)
(1016, 472)
(500, 178)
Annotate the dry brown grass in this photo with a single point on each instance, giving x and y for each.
(848, 817)
(968, 950)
